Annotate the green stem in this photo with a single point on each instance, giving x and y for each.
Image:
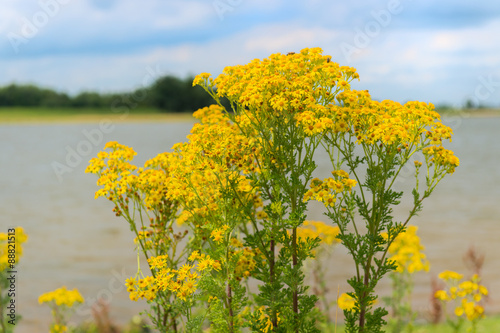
(295, 291)
(231, 315)
(274, 314)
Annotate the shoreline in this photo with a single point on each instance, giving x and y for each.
(86, 118)
(478, 113)
(33, 116)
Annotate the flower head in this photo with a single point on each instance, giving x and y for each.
(406, 252)
(62, 296)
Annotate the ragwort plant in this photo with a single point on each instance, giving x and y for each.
(268, 98)
(241, 184)
(61, 302)
(139, 196)
(300, 101)
(386, 134)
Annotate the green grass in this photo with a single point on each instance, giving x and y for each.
(486, 325)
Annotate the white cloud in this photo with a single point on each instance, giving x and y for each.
(481, 38)
(286, 37)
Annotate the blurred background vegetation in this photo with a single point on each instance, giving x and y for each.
(168, 93)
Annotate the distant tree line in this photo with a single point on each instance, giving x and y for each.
(168, 93)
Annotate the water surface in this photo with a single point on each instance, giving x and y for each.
(76, 241)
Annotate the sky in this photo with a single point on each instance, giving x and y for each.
(443, 52)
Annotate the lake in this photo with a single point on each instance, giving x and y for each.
(77, 241)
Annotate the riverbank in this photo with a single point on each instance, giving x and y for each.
(45, 115)
(475, 113)
(68, 115)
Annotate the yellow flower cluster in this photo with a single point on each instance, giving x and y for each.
(114, 170)
(441, 157)
(141, 288)
(328, 189)
(158, 261)
(315, 125)
(13, 244)
(216, 156)
(62, 296)
(468, 292)
(282, 90)
(212, 115)
(286, 84)
(312, 229)
(406, 252)
(372, 122)
(182, 281)
(223, 143)
(389, 123)
(316, 93)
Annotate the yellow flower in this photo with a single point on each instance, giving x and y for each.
(195, 255)
(184, 271)
(204, 264)
(190, 286)
(218, 234)
(216, 265)
(469, 292)
(450, 275)
(346, 302)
